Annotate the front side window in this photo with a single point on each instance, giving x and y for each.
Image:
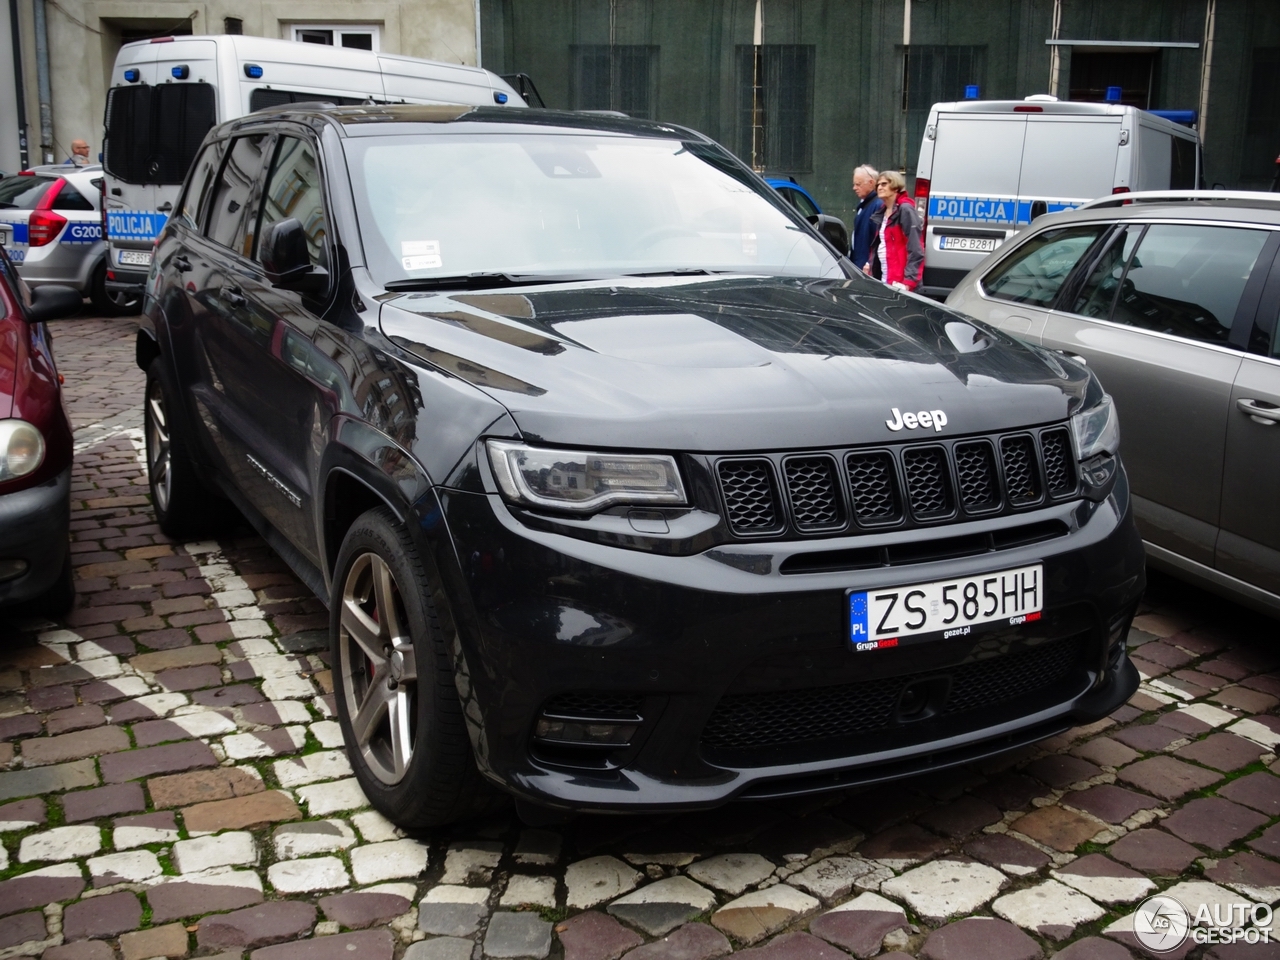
(1094, 299)
(1037, 269)
(1187, 280)
(241, 169)
(293, 190)
(589, 204)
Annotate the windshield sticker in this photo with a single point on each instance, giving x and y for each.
(420, 254)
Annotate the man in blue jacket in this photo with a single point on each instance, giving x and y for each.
(866, 222)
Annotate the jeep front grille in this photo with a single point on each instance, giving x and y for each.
(846, 491)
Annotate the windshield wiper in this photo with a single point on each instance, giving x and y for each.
(479, 281)
(677, 272)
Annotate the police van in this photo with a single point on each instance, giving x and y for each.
(988, 168)
(165, 94)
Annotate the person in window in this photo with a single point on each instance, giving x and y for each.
(866, 222)
(898, 255)
(79, 154)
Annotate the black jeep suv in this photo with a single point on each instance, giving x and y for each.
(625, 491)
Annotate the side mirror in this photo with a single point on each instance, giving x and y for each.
(1038, 208)
(834, 230)
(53, 302)
(286, 260)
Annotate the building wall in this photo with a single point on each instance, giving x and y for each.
(858, 89)
(84, 36)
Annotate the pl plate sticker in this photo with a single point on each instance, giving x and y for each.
(420, 254)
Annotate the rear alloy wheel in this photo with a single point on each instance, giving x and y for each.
(394, 686)
(185, 508)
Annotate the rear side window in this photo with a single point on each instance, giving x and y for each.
(153, 133)
(1187, 280)
(195, 201)
(1036, 271)
(262, 98)
(23, 193)
(244, 163)
(1182, 166)
(69, 198)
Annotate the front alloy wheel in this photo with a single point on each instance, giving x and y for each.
(393, 680)
(379, 671)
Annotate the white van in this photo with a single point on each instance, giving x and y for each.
(988, 168)
(165, 95)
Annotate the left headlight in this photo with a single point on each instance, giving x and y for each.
(583, 481)
(1097, 430)
(21, 449)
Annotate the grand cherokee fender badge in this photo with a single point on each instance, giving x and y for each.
(924, 419)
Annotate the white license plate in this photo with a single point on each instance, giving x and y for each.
(971, 244)
(138, 258)
(947, 608)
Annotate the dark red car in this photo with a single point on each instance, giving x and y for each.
(35, 449)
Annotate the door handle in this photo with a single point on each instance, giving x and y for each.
(181, 264)
(1259, 411)
(164, 207)
(233, 296)
(1074, 356)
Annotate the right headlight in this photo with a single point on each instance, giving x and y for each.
(21, 449)
(1097, 430)
(583, 481)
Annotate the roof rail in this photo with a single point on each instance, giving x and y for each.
(1173, 196)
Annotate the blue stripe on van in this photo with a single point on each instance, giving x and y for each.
(1002, 210)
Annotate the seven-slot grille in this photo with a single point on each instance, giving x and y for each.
(912, 483)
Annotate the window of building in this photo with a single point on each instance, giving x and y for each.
(785, 104)
(615, 77)
(1262, 119)
(938, 73)
(1134, 73)
(355, 36)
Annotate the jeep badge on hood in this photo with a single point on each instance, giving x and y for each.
(924, 419)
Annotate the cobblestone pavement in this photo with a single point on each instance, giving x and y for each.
(172, 783)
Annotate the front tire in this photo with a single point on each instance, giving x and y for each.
(393, 682)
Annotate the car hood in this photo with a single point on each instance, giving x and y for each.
(731, 363)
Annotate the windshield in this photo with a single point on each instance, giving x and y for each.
(566, 204)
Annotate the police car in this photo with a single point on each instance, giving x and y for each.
(51, 228)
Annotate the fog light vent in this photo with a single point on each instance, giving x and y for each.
(589, 720)
(12, 569)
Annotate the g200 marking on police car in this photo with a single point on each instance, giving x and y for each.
(983, 209)
(82, 233)
(912, 421)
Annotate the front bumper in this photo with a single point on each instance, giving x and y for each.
(683, 639)
(34, 526)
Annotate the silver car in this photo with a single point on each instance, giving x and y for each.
(1172, 299)
(51, 228)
